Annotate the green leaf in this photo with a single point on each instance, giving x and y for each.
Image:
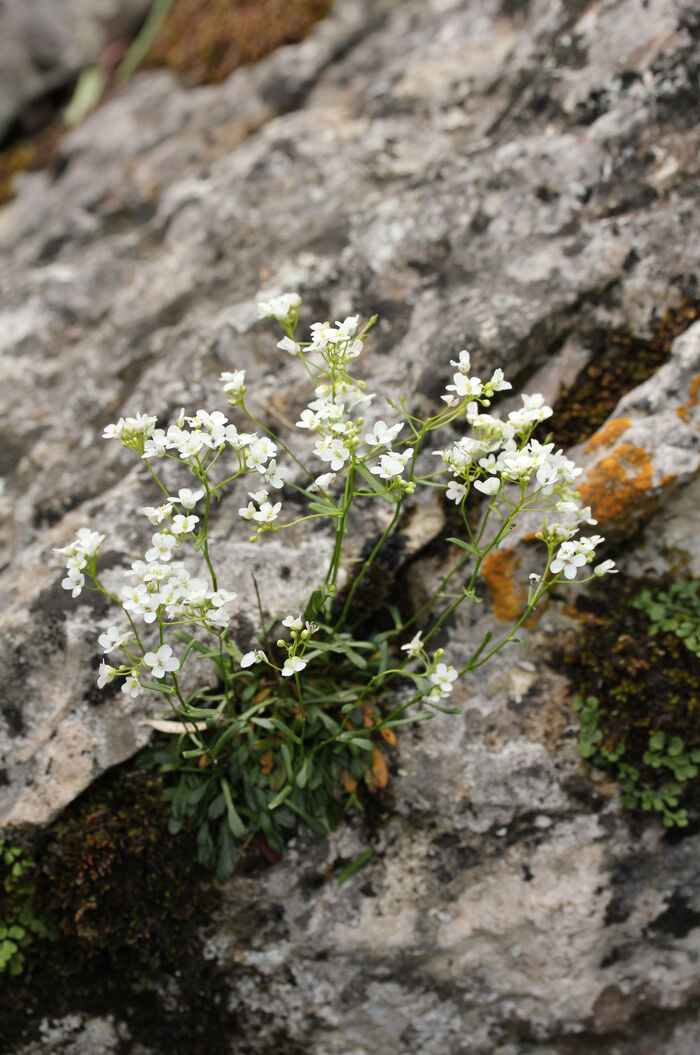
(355, 866)
(464, 545)
(372, 482)
(303, 774)
(279, 724)
(87, 94)
(657, 740)
(280, 798)
(317, 827)
(235, 823)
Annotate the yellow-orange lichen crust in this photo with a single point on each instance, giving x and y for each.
(508, 594)
(685, 409)
(608, 435)
(619, 485)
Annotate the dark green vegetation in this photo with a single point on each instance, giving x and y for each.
(639, 702)
(18, 924)
(124, 901)
(270, 755)
(675, 611)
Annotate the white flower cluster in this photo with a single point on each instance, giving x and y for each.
(500, 453)
(80, 554)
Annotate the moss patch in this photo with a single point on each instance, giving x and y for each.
(644, 683)
(205, 40)
(619, 363)
(125, 900)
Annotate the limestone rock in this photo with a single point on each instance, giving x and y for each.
(497, 175)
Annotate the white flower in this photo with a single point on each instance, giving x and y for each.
(569, 559)
(282, 308)
(259, 453)
(234, 384)
(488, 487)
(131, 686)
(383, 434)
(414, 646)
(322, 482)
(333, 450)
(74, 581)
(105, 674)
(267, 513)
(221, 597)
(288, 345)
(463, 363)
(89, 541)
(114, 432)
(183, 525)
(163, 545)
(157, 514)
(606, 568)
(294, 622)
(247, 512)
(442, 678)
(455, 491)
(256, 656)
(392, 464)
(497, 382)
(532, 411)
(188, 499)
(292, 665)
(309, 420)
(113, 638)
(275, 476)
(161, 660)
(190, 444)
(465, 386)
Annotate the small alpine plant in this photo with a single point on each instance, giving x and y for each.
(293, 725)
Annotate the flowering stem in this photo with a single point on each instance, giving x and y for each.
(366, 567)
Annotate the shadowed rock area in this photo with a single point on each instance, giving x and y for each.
(517, 178)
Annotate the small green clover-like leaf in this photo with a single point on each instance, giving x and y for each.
(657, 740)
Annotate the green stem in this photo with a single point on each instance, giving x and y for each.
(367, 565)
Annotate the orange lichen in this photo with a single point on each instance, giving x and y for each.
(685, 409)
(618, 483)
(608, 434)
(509, 595)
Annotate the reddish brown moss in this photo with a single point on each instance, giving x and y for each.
(205, 40)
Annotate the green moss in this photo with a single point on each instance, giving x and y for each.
(644, 683)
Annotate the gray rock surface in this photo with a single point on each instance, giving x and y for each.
(45, 43)
(498, 175)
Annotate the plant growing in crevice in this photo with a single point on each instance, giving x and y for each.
(19, 923)
(675, 611)
(666, 755)
(294, 726)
